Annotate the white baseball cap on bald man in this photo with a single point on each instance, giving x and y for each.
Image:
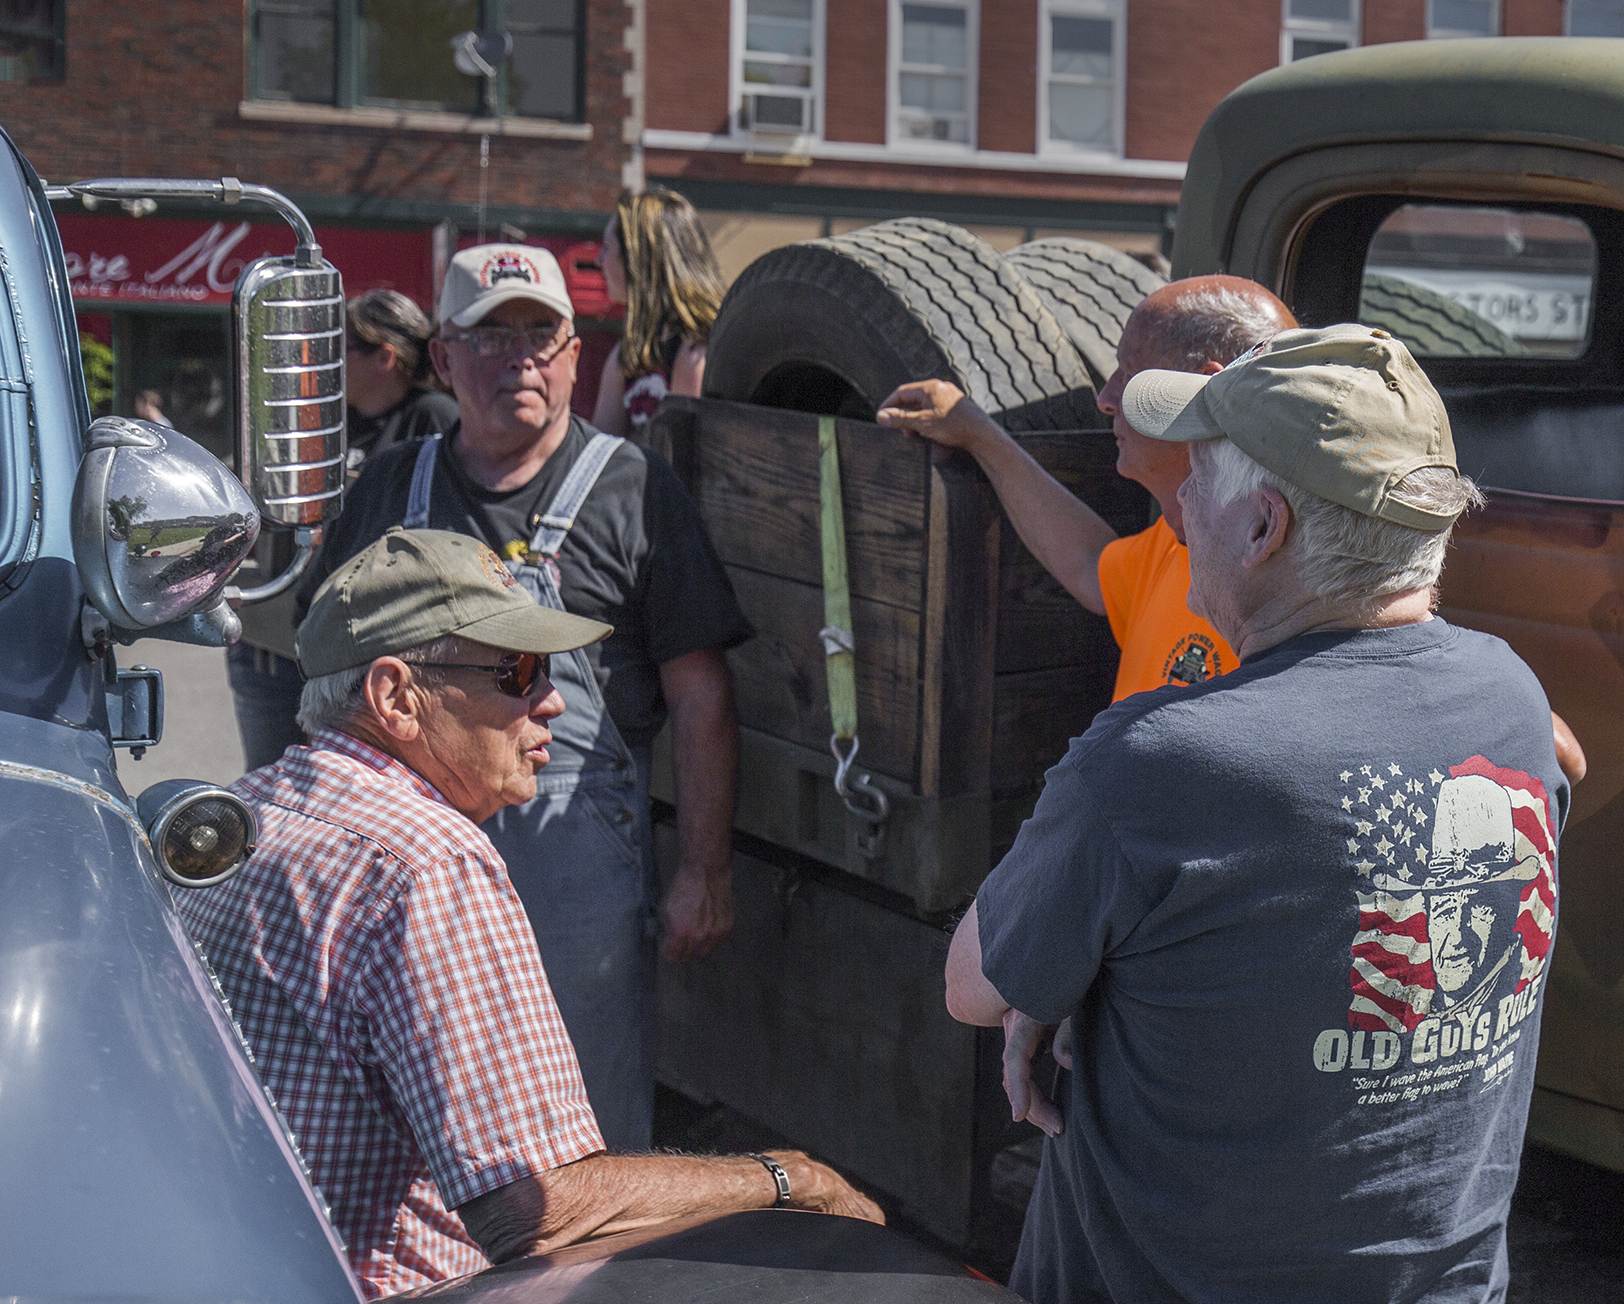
(487, 276)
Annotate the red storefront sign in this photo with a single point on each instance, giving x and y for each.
(114, 259)
(185, 262)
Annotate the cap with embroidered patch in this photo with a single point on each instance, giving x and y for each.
(487, 276)
(1344, 412)
(414, 586)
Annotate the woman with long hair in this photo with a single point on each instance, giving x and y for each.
(657, 260)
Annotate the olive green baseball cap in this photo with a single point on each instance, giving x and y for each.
(1344, 412)
(414, 586)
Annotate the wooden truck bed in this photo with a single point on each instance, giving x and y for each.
(823, 1016)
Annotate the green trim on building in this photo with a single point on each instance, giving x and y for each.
(965, 210)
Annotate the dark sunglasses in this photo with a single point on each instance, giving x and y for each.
(516, 674)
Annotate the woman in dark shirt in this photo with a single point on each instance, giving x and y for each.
(387, 375)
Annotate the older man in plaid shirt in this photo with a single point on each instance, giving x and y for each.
(381, 965)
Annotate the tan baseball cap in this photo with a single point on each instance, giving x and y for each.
(414, 586)
(1342, 411)
(487, 276)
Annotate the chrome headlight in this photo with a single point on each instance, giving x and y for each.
(201, 834)
(159, 525)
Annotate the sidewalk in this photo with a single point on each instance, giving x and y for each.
(200, 732)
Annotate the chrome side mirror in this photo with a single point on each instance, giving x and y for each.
(159, 526)
(289, 320)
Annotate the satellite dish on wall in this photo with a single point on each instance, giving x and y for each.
(480, 54)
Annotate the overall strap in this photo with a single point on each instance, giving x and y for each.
(417, 501)
(560, 515)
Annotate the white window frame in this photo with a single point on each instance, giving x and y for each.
(1567, 17)
(972, 78)
(1436, 33)
(737, 84)
(1117, 12)
(1310, 30)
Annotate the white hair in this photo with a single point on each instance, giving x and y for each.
(333, 701)
(1342, 556)
(1216, 324)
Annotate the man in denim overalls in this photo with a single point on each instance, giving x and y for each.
(596, 525)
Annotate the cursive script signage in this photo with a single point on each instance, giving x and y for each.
(181, 262)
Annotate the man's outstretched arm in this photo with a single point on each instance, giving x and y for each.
(1061, 531)
(605, 1194)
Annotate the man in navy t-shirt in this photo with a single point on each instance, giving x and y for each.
(1300, 916)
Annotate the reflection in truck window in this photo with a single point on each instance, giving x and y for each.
(1458, 280)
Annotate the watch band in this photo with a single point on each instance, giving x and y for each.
(779, 1176)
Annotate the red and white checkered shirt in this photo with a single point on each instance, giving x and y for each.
(384, 974)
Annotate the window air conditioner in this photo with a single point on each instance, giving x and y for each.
(766, 113)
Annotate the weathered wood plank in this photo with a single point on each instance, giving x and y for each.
(780, 680)
(1035, 715)
(754, 476)
(956, 702)
(671, 434)
(1039, 624)
(822, 1018)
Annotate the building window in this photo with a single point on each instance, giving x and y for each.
(1313, 27)
(933, 72)
(779, 55)
(397, 54)
(1595, 17)
(31, 40)
(1079, 104)
(1446, 18)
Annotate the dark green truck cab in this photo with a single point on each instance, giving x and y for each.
(1469, 195)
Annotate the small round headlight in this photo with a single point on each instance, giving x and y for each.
(201, 834)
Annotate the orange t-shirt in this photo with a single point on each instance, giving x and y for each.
(1145, 581)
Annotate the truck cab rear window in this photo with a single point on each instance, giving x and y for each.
(1458, 280)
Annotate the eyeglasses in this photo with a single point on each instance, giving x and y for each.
(516, 674)
(543, 343)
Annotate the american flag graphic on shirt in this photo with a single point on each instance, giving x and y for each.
(1441, 841)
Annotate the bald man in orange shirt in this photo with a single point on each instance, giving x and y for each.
(1139, 583)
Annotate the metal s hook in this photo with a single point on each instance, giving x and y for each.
(862, 796)
(843, 760)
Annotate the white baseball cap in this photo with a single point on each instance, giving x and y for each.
(487, 276)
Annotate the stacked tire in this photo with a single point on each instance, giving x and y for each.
(833, 326)
(1431, 324)
(1090, 288)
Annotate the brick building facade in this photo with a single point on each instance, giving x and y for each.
(782, 119)
(354, 111)
(1017, 118)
